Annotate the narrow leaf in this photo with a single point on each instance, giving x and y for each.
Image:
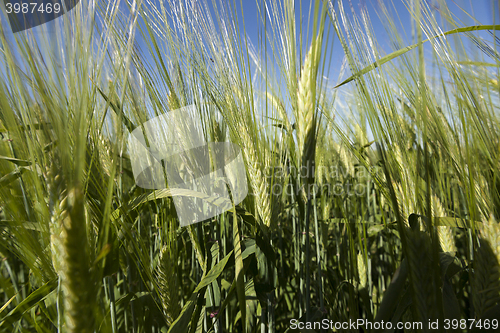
(402, 51)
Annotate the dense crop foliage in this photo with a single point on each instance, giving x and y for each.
(375, 199)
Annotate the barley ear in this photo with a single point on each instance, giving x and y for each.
(306, 111)
(362, 271)
(70, 255)
(258, 183)
(486, 283)
(168, 283)
(173, 101)
(424, 290)
(445, 233)
(446, 239)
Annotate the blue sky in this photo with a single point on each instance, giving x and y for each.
(482, 10)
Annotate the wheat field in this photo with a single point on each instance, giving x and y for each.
(373, 196)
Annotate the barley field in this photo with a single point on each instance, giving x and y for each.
(371, 168)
